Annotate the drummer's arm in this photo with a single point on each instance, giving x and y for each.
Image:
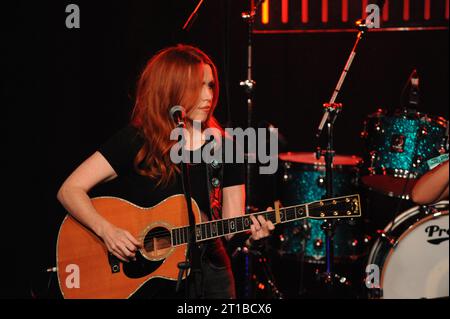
(433, 186)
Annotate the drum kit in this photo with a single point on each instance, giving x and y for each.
(409, 258)
(385, 254)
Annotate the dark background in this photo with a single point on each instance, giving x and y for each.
(65, 91)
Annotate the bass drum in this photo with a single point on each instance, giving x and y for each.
(411, 256)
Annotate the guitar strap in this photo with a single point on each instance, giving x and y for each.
(214, 180)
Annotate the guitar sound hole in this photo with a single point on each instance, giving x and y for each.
(157, 242)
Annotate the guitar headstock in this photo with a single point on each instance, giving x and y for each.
(339, 207)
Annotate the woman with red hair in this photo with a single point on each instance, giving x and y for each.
(139, 156)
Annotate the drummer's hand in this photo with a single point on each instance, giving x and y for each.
(261, 227)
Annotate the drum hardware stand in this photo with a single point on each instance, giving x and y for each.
(305, 235)
(329, 278)
(331, 111)
(269, 278)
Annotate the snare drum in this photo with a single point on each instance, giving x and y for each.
(302, 181)
(397, 148)
(411, 257)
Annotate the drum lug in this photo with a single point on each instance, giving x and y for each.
(389, 239)
(429, 210)
(418, 160)
(321, 181)
(373, 158)
(318, 243)
(306, 230)
(286, 175)
(364, 134)
(379, 128)
(423, 131)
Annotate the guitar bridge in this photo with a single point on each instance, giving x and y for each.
(114, 263)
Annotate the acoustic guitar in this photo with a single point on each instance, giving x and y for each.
(86, 269)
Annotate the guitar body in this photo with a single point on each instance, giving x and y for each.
(87, 270)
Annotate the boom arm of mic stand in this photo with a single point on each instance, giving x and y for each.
(362, 28)
(187, 25)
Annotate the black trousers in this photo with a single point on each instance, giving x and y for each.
(212, 281)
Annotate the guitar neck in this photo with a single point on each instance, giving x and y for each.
(234, 225)
(319, 210)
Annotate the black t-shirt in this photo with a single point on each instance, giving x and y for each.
(120, 151)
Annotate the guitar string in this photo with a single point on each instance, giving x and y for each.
(167, 233)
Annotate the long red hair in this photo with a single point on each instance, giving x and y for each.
(174, 76)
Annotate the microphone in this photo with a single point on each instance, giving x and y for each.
(177, 114)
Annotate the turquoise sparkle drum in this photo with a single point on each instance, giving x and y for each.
(398, 146)
(302, 181)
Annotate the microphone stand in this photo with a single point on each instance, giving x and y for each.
(331, 111)
(191, 260)
(249, 87)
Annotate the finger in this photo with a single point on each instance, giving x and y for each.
(255, 222)
(255, 231)
(114, 249)
(125, 251)
(129, 245)
(269, 208)
(255, 235)
(119, 255)
(133, 239)
(262, 221)
(270, 225)
(264, 226)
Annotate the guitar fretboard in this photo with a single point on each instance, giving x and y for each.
(219, 228)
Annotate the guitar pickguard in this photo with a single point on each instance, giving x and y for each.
(141, 267)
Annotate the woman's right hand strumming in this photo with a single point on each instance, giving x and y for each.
(119, 242)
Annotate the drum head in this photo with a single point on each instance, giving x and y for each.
(417, 264)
